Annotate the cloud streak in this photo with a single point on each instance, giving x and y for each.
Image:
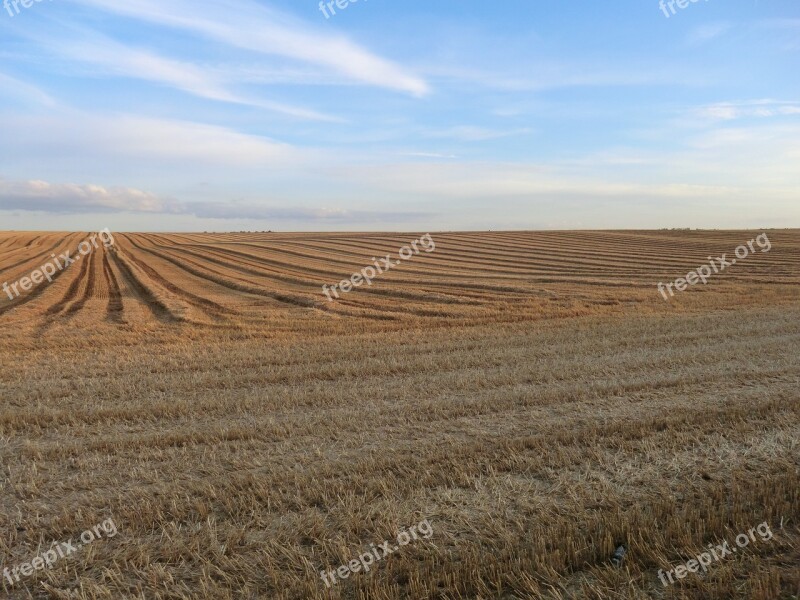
(154, 141)
(729, 111)
(77, 199)
(250, 26)
(120, 60)
(12, 87)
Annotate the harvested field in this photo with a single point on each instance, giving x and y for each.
(530, 394)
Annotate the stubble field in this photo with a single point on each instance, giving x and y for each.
(529, 395)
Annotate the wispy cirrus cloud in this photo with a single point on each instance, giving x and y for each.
(785, 23)
(428, 155)
(470, 133)
(13, 87)
(729, 111)
(147, 140)
(109, 57)
(708, 32)
(251, 26)
(238, 210)
(547, 75)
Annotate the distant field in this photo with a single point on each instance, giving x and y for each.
(530, 394)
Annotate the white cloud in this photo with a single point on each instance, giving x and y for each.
(706, 33)
(496, 180)
(729, 111)
(248, 25)
(428, 155)
(77, 199)
(469, 133)
(259, 211)
(543, 75)
(781, 23)
(12, 87)
(67, 198)
(91, 137)
(120, 60)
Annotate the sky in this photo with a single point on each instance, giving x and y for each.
(399, 115)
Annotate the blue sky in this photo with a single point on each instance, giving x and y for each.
(399, 115)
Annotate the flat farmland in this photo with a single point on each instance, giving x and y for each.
(530, 396)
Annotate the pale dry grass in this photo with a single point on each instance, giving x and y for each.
(529, 394)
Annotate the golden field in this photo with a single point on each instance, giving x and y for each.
(530, 394)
